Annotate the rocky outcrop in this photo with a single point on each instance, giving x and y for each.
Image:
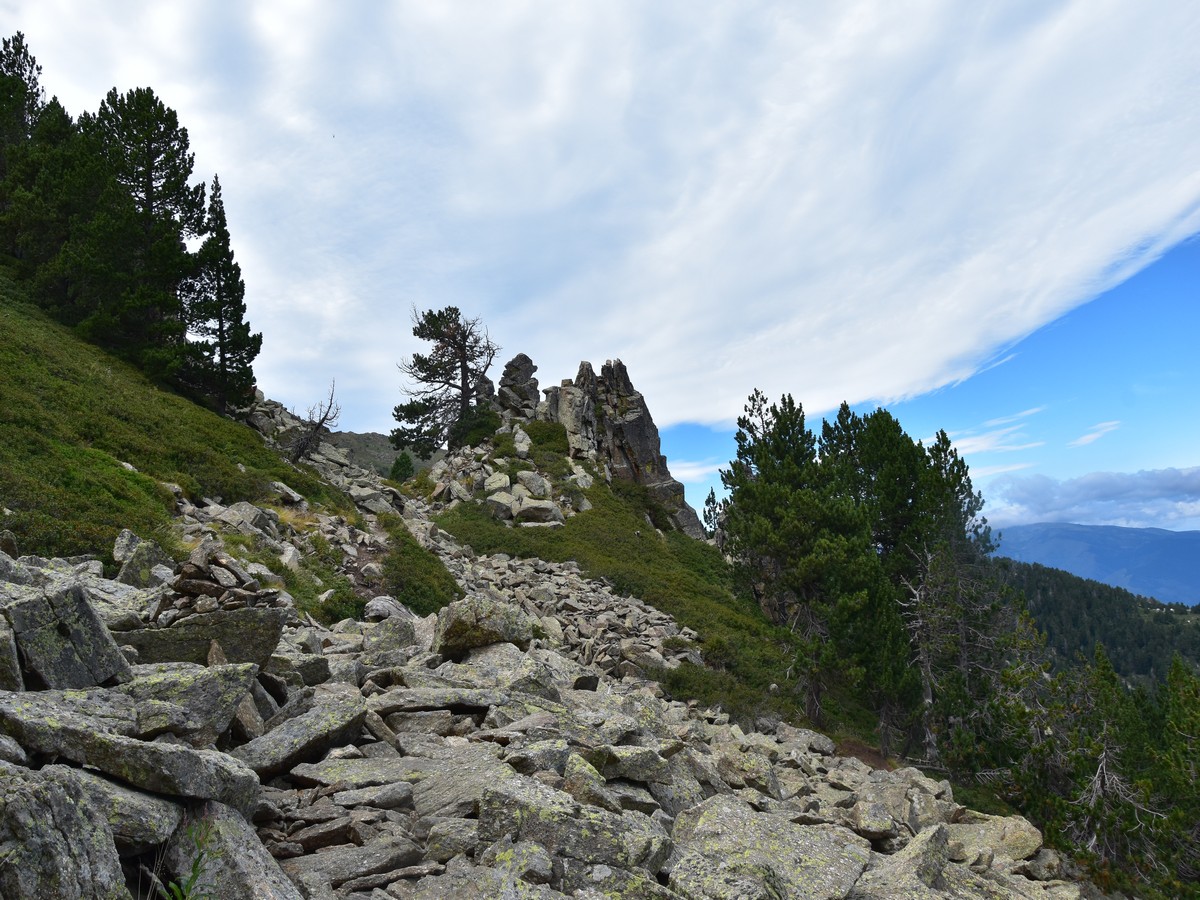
(607, 422)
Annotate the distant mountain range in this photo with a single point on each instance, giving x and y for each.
(1152, 562)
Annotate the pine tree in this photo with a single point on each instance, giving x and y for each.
(220, 363)
(135, 245)
(444, 381)
(21, 96)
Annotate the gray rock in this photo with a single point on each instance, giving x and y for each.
(392, 633)
(10, 661)
(53, 846)
(380, 608)
(335, 719)
(245, 635)
(144, 564)
(529, 811)
(480, 883)
(537, 486)
(40, 726)
(211, 695)
(342, 864)
(139, 821)
(537, 511)
(501, 505)
(232, 859)
(497, 481)
(62, 639)
(726, 849)
(1011, 836)
(477, 621)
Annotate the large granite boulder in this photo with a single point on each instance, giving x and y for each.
(51, 845)
(727, 850)
(477, 621)
(62, 640)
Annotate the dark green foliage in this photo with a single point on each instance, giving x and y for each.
(220, 364)
(415, 576)
(548, 436)
(1139, 635)
(445, 382)
(70, 415)
(94, 217)
(402, 468)
(477, 425)
(21, 96)
(141, 316)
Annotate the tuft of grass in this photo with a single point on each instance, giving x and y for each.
(72, 417)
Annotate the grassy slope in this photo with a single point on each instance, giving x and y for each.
(70, 415)
(683, 577)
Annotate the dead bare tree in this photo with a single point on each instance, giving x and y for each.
(321, 416)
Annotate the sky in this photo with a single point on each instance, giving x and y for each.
(982, 216)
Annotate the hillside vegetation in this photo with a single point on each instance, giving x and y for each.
(1140, 635)
(88, 439)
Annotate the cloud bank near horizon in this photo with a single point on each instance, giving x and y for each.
(841, 201)
(1161, 498)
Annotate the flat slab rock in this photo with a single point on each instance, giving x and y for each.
(334, 719)
(727, 850)
(245, 635)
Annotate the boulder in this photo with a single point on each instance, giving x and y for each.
(477, 621)
(62, 639)
(231, 857)
(53, 845)
(335, 719)
(529, 811)
(139, 821)
(211, 695)
(537, 511)
(726, 849)
(245, 635)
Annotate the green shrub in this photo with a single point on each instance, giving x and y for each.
(415, 576)
(402, 468)
(473, 429)
(549, 436)
(505, 448)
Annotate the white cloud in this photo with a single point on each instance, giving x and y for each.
(841, 201)
(1007, 420)
(1163, 498)
(999, 440)
(695, 472)
(1097, 431)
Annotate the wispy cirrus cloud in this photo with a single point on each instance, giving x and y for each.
(1096, 432)
(696, 472)
(856, 201)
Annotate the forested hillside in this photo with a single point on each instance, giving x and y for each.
(1140, 635)
(97, 214)
(871, 549)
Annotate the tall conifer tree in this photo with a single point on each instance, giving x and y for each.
(215, 303)
(144, 228)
